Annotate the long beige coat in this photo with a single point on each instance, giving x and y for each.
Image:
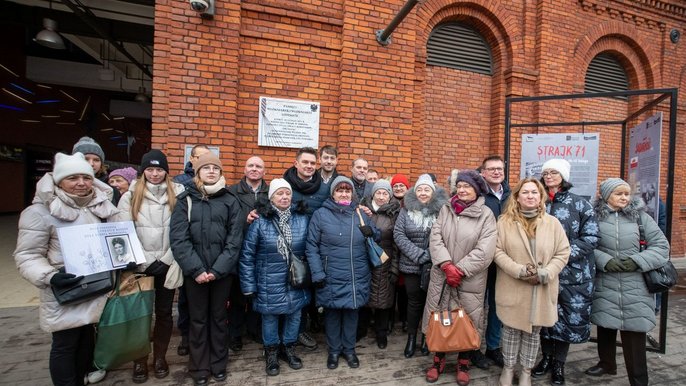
(468, 240)
(38, 255)
(519, 304)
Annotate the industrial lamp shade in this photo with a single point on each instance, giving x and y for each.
(141, 97)
(49, 37)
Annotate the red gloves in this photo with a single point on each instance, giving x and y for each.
(453, 275)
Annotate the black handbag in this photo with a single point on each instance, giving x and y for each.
(425, 275)
(660, 279)
(89, 287)
(299, 275)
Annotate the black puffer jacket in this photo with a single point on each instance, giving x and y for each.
(248, 199)
(413, 227)
(211, 242)
(384, 277)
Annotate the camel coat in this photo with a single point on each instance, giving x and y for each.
(519, 304)
(468, 241)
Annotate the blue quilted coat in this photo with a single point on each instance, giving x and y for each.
(263, 270)
(337, 255)
(576, 279)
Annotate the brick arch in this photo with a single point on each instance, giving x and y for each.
(498, 28)
(622, 40)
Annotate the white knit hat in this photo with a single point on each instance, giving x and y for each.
(425, 179)
(68, 165)
(276, 184)
(559, 164)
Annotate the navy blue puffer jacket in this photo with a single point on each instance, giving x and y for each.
(337, 255)
(264, 271)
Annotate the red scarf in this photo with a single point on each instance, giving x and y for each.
(459, 205)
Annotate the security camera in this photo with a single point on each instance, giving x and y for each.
(204, 7)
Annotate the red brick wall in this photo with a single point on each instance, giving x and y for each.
(385, 103)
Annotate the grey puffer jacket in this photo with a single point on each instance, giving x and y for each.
(38, 255)
(621, 300)
(413, 227)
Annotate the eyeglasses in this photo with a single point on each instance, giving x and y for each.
(551, 173)
(492, 170)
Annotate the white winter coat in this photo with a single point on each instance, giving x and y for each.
(152, 222)
(38, 255)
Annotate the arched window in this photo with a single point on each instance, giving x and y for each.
(459, 46)
(604, 74)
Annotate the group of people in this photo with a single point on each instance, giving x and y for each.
(543, 261)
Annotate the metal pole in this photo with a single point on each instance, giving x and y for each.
(383, 36)
(507, 138)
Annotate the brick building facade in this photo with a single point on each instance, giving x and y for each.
(384, 102)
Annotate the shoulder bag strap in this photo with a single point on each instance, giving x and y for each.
(642, 243)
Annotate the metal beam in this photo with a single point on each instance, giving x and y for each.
(93, 22)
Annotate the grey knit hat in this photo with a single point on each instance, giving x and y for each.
(382, 184)
(341, 180)
(87, 145)
(609, 185)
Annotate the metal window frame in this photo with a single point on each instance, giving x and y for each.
(662, 94)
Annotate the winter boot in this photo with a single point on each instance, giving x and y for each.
(558, 374)
(411, 345)
(462, 375)
(287, 354)
(543, 366)
(525, 377)
(424, 348)
(506, 376)
(433, 372)
(272, 360)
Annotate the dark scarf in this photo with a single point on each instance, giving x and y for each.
(459, 205)
(300, 186)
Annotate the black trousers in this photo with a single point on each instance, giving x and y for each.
(381, 317)
(634, 349)
(208, 332)
(182, 306)
(416, 297)
(71, 355)
(242, 318)
(164, 323)
(555, 348)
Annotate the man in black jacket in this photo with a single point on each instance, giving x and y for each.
(250, 190)
(493, 171)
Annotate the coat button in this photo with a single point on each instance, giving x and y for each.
(540, 263)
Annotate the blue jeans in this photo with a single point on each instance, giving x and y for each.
(341, 330)
(270, 329)
(494, 325)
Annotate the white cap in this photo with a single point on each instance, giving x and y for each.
(276, 184)
(559, 164)
(425, 179)
(69, 165)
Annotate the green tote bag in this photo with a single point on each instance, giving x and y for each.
(124, 328)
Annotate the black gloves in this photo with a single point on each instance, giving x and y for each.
(366, 230)
(250, 296)
(62, 279)
(318, 284)
(157, 268)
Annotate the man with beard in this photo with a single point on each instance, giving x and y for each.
(250, 190)
(328, 160)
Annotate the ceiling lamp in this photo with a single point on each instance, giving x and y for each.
(141, 97)
(49, 36)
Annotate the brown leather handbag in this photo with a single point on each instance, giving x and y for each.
(451, 330)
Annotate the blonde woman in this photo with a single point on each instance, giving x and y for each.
(531, 250)
(149, 203)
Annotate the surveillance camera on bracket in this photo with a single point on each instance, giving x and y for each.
(204, 7)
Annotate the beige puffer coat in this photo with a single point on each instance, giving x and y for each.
(519, 304)
(38, 255)
(468, 240)
(152, 222)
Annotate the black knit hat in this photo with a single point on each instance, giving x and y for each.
(154, 158)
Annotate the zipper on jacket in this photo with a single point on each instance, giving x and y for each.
(352, 264)
(619, 274)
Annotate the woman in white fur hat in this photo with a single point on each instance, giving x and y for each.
(68, 196)
(263, 269)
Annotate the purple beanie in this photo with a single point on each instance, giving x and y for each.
(129, 174)
(474, 179)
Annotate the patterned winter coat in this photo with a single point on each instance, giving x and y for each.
(264, 271)
(337, 254)
(413, 227)
(385, 276)
(621, 300)
(576, 279)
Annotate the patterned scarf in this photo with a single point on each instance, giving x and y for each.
(285, 236)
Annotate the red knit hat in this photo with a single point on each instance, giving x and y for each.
(400, 179)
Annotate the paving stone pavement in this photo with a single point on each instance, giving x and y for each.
(24, 351)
